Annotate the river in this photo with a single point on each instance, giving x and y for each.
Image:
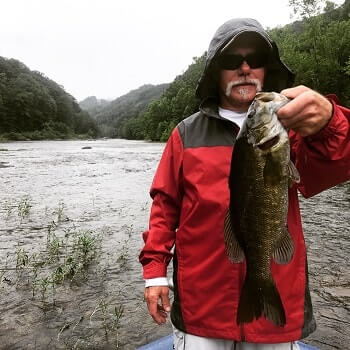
(53, 193)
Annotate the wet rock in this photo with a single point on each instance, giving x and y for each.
(4, 165)
(339, 292)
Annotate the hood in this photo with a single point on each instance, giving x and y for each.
(278, 76)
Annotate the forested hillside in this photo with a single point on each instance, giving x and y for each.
(93, 105)
(34, 107)
(112, 116)
(162, 115)
(316, 48)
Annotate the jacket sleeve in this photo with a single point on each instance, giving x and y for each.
(323, 159)
(166, 192)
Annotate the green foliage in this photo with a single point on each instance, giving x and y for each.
(319, 53)
(34, 107)
(347, 68)
(306, 8)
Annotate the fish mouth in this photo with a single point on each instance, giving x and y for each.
(269, 143)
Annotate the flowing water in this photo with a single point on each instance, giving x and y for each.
(55, 189)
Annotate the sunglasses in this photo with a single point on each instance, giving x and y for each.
(232, 62)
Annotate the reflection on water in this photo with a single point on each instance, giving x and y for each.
(104, 189)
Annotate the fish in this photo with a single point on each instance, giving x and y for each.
(255, 227)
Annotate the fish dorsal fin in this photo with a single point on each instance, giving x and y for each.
(293, 172)
(284, 249)
(233, 249)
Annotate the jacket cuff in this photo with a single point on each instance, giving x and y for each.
(154, 270)
(156, 282)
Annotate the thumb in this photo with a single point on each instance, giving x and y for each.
(165, 301)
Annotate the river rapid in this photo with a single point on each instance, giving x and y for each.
(54, 191)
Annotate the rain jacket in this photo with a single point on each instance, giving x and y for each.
(190, 200)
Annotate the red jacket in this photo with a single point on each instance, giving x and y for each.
(190, 200)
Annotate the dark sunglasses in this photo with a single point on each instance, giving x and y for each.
(232, 62)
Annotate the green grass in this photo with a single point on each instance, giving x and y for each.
(64, 259)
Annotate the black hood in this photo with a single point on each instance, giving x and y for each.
(278, 76)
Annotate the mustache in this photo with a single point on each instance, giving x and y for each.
(237, 82)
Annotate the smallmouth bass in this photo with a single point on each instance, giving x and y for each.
(256, 222)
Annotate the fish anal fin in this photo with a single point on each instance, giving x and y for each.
(233, 249)
(284, 250)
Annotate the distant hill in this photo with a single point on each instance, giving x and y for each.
(93, 105)
(111, 116)
(32, 106)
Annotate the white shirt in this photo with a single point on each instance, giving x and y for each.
(235, 117)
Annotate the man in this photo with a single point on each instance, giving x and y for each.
(191, 196)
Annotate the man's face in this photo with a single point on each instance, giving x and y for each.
(239, 86)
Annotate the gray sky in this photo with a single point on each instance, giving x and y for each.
(106, 48)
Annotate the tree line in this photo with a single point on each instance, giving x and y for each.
(34, 107)
(316, 48)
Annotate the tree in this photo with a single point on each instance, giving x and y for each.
(33, 104)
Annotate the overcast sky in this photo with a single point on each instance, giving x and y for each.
(106, 48)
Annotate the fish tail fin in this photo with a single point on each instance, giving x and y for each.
(249, 306)
(272, 305)
(255, 301)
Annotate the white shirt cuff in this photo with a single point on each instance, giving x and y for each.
(154, 282)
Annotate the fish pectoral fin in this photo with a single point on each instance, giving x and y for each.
(293, 172)
(233, 249)
(284, 249)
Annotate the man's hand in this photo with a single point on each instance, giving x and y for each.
(158, 311)
(307, 113)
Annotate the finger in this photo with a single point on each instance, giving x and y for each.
(294, 91)
(165, 301)
(161, 311)
(294, 108)
(154, 309)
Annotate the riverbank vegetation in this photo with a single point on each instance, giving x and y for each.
(49, 275)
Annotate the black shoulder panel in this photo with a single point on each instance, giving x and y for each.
(200, 130)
